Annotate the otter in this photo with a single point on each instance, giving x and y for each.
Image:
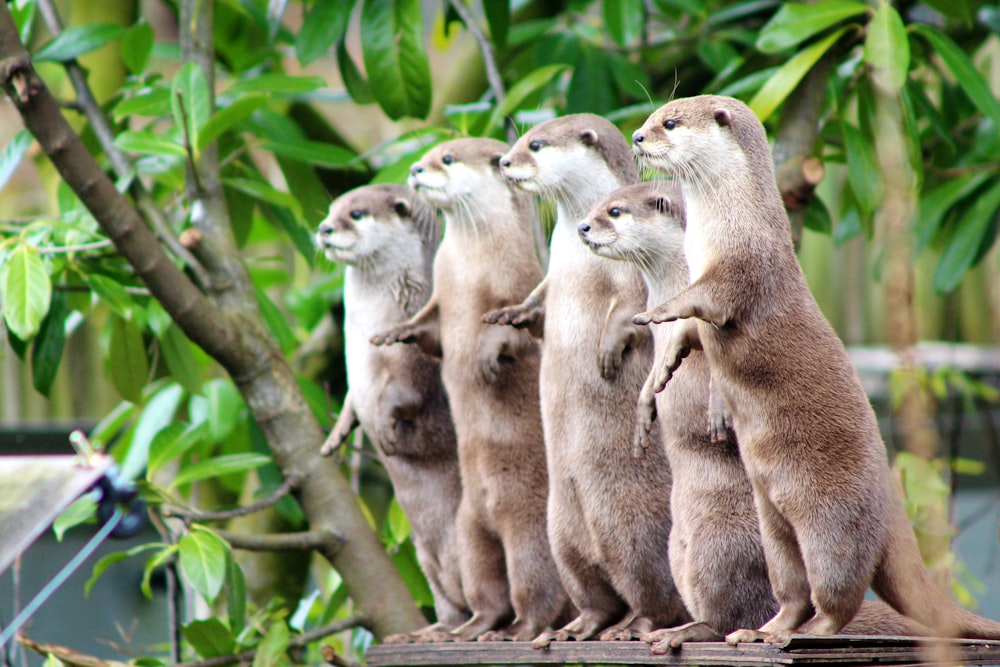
(829, 509)
(491, 377)
(387, 237)
(716, 556)
(613, 562)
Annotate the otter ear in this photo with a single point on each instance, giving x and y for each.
(588, 137)
(401, 207)
(723, 117)
(660, 203)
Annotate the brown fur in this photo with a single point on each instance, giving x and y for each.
(396, 394)
(716, 556)
(491, 375)
(831, 517)
(613, 562)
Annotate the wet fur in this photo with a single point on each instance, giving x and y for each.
(830, 512)
(396, 393)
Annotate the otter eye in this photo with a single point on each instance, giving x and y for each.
(614, 212)
(448, 159)
(535, 146)
(669, 124)
(357, 214)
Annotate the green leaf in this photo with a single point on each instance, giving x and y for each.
(236, 595)
(28, 291)
(887, 49)
(498, 18)
(158, 559)
(276, 85)
(862, 169)
(111, 292)
(971, 81)
(405, 560)
(190, 101)
(74, 42)
(82, 510)
(203, 557)
(127, 360)
(219, 407)
(24, 17)
(13, 154)
(209, 638)
(301, 237)
(263, 192)
(528, 84)
(228, 117)
(136, 46)
(818, 217)
(958, 9)
(355, 82)
(392, 43)
(46, 353)
(323, 24)
(151, 101)
(108, 428)
(218, 466)
(783, 82)
(623, 19)
(172, 441)
(142, 141)
(326, 155)
(272, 648)
(398, 524)
(963, 247)
(180, 359)
(276, 321)
(794, 22)
(102, 565)
(937, 203)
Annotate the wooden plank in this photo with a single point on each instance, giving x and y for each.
(800, 650)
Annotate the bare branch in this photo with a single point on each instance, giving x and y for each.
(326, 542)
(195, 515)
(83, 247)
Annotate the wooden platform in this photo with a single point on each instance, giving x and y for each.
(800, 650)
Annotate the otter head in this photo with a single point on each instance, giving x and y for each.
(373, 222)
(642, 223)
(559, 156)
(697, 138)
(462, 175)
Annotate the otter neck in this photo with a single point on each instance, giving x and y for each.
(580, 190)
(397, 279)
(665, 277)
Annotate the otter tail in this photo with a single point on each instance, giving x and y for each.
(903, 581)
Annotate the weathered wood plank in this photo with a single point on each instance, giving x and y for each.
(800, 650)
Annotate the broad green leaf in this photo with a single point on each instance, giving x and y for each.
(937, 203)
(82, 510)
(111, 292)
(796, 22)
(219, 406)
(818, 217)
(263, 191)
(862, 169)
(589, 84)
(136, 46)
(143, 141)
(323, 24)
(27, 292)
(218, 466)
(276, 85)
(47, 350)
(13, 154)
(179, 358)
(526, 86)
(102, 565)
(971, 81)
(164, 555)
(209, 637)
(24, 18)
(236, 595)
(398, 524)
(964, 245)
(74, 42)
(301, 237)
(887, 49)
(326, 155)
(108, 428)
(190, 101)
(151, 101)
(203, 561)
(154, 417)
(355, 82)
(623, 19)
(272, 648)
(959, 9)
(228, 117)
(392, 44)
(171, 442)
(405, 560)
(276, 321)
(784, 81)
(127, 362)
(498, 18)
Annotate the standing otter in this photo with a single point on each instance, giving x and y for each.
(716, 556)
(491, 375)
(613, 562)
(387, 237)
(830, 514)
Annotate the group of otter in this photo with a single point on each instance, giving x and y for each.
(570, 472)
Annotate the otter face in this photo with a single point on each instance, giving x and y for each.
(364, 222)
(457, 170)
(636, 223)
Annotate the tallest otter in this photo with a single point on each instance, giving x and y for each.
(830, 515)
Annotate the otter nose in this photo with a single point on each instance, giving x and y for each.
(505, 162)
(416, 169)
(583, 227)
(325, 228)
(637, 137)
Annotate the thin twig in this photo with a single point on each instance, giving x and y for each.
(326, 542)
(135, 291)
(332, 657)
(83, 247)
(189, 515)
(87, 103)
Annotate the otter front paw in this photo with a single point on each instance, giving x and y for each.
(656, 315)
(403, 333)
(520, 317)
(338, 436)
(645, 422)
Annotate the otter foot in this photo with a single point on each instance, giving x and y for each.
(751, 636)
(436, 637)
(667, 639)
(401, 638)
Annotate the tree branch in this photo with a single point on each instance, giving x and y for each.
(326, 542)
(190, 515)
